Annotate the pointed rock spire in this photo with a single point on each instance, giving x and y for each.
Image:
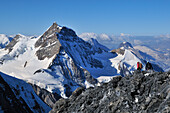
(52, 30)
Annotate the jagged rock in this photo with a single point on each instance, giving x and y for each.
(46, 96)
(48, 43)
(44, 38)
(118, 51)
(125, 45)
(77, 92)
(140, 92)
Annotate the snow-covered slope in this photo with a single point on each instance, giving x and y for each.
(22, 94)
(126, 64)
(96, 45)
(128, 57)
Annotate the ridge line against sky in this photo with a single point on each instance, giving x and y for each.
(135, 17)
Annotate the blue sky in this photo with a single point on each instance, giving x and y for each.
(136, 17)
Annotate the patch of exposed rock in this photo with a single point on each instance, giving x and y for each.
(139, 93)
(10, 46)
(118, 51)
(48, 43)
(46, 96)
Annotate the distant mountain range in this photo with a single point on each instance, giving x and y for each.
(156, 47)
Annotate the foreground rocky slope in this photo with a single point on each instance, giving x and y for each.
(141, 93)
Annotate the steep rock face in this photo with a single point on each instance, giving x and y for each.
(47, 51)
(48, 43)
(141, 92)
(46, 96)
(42, 40)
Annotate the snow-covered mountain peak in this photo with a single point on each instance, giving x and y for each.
(125, 45)
(96, 45)
(48, 34)
(50, 42)
(4, 40)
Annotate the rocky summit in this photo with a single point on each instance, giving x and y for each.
(141, 92)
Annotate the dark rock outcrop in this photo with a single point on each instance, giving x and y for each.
(118, 51)
(41, 41)
(48, 43)
(46, 96)
(139, 93)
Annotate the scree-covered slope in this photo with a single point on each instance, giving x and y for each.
(141, 92)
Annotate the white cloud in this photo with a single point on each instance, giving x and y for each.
(167, 36)
(123, 34)
(104, 37)
(87, 36)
